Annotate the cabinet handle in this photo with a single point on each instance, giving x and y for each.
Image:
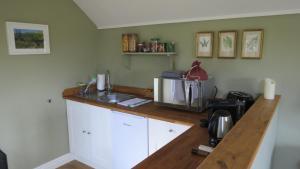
(126, 124)
(171, 130)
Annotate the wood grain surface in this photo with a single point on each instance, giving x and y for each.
(239, 147)
(148, 93)
(134, 90)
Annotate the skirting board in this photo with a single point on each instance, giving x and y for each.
(57, 162)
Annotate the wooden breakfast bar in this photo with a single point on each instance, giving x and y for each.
(239, 149)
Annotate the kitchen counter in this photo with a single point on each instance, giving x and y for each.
(237, 150)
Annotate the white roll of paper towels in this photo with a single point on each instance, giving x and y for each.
(269, 89)
(101, 82)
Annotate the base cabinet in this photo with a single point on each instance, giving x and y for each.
(130, 140)
(162, 132)
(90, 134)
(105, 139)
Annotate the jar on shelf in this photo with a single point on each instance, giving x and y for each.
(146, 47)
(161, 47)
(125, 47)
(165, 47)
(140, 47)
(132, 39)
(154, 44)
(170, 46)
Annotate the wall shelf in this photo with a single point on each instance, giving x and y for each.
(150, 53)
(170, 54)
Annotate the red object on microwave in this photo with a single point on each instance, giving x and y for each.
(196, 72)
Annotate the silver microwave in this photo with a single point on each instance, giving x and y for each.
(191, 95)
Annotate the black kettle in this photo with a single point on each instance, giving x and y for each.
(219, 125)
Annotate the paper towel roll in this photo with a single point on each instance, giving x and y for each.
(269, 89)
(101, 82)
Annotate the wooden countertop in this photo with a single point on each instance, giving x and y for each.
(149, 110)
(236, 151)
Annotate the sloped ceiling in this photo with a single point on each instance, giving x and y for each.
(123, 13)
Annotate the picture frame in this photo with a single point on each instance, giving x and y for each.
(204, 44)
(27, 39)
(227, 47)
(252, 44)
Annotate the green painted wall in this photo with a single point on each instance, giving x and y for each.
(280, 61)
(32, 131)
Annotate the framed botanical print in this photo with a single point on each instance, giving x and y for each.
(227, 44)
(252, 44)
(204, 44)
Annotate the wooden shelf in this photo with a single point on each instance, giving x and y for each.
(150, 53)
(171, 55)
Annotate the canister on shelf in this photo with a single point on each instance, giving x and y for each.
(125, 47)
(170, 47)
(147, 47)
(154, 44)
(140, 47)
(161, 47)
(132, 38)
(165, 47)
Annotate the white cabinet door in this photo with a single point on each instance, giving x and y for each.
(100, 135)
(78, 121)
(90, 134)
(162, 132)
(130, 140)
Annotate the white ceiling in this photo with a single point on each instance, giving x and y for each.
(124, 13)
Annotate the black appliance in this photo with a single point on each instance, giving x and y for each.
(219, 125)
(235, 107)
(242, 96)
(3, 160)
(237, 103)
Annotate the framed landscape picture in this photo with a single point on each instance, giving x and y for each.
(204, 44)
(252, 44)
(25, 38)
(227, 44)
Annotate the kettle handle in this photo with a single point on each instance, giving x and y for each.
(213, 125)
